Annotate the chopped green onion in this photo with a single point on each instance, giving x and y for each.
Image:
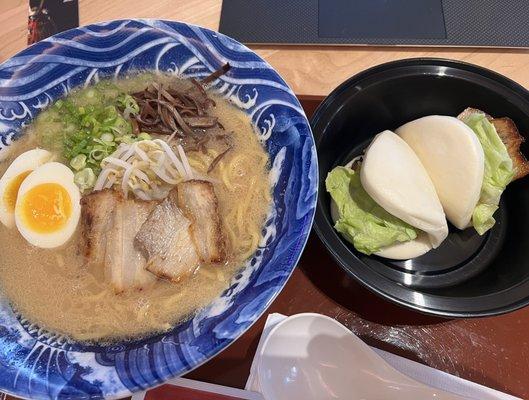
(126, 139)
(128, 103)
(88, 126)
(107, 137)
(85, 179)
(78, 162)
(98, 154)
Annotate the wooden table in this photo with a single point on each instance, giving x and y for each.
(490, 351)
(310, 71)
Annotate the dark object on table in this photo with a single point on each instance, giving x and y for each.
(47, 17)
(468, 275)
(473, 23)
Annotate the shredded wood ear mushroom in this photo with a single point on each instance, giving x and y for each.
(181, 114)
(511, 138)
(166, 110)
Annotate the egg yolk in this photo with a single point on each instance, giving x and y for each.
(46, 208)
(11, 191)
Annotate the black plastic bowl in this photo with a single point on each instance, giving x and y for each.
(468, 275)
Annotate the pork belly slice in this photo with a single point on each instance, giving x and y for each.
(109, 224)
(511, 138)
(125, 264)
(198, 201)
(97, 213)
(165, 240)
(135, 275)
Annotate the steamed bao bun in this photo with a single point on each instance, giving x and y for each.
(453, 156)
(394, 177)
(396, 180)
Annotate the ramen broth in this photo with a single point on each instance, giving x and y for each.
(52, 287)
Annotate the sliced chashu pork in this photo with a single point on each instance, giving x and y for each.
(97, 211)
(166, 241)
(109, 224)
(135, 239)
(197, 200)
(510, 136)
(124, 263)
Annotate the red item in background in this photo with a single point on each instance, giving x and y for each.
(40, 24)
(48, 17)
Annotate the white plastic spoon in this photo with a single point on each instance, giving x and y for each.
(311, 356)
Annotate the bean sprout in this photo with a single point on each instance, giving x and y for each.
(148, 169)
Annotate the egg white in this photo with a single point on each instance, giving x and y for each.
(57, 173)
(25, 162)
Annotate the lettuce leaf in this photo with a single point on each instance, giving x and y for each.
(498, 172)
(361, 221)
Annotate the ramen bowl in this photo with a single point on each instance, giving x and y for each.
(36, 363)
(468, 275)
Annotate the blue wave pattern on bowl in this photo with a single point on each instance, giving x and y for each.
(36, 363)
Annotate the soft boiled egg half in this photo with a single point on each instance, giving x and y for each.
(48, 206)
(10, 182)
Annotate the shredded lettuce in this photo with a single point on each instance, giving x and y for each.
(498, 172)
(362, 221)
